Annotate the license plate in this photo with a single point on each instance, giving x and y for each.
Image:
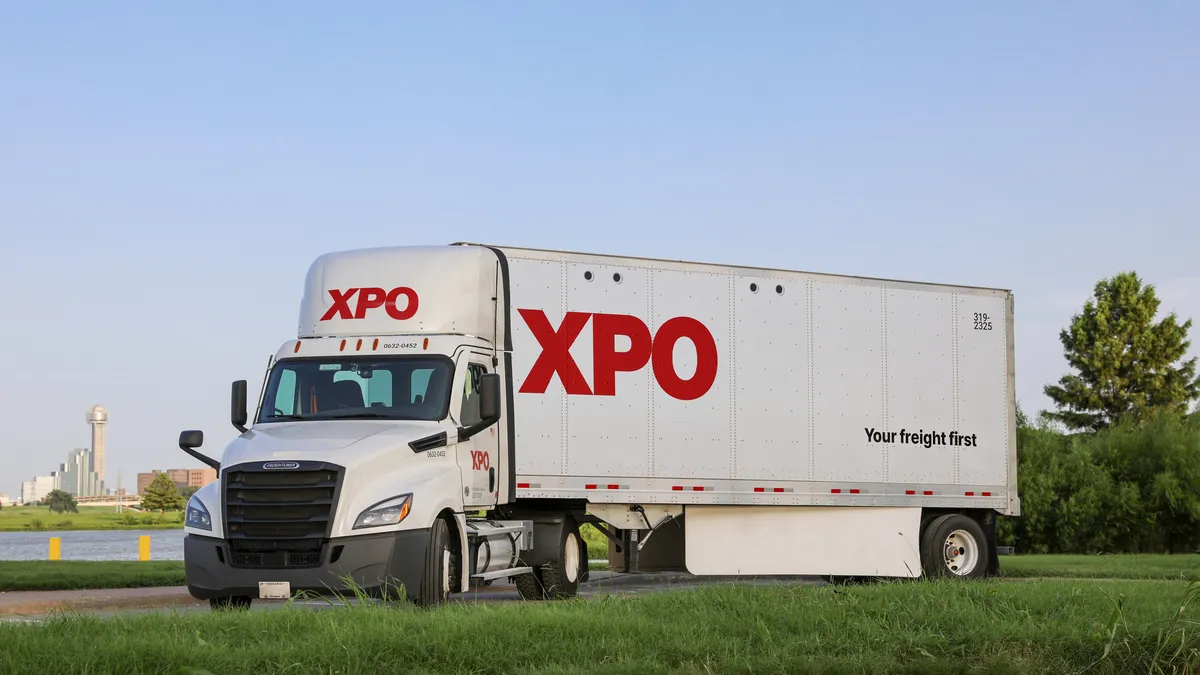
(274, 590)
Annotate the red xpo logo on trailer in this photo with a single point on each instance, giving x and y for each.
(657, 350)
(371, 298)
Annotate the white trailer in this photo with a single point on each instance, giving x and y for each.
(450, 415)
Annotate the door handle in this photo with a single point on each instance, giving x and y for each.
(492, 479)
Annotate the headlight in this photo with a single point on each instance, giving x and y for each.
(197, 516)
(387, 512)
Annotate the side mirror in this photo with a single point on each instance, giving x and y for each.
(489, 406)
(237, 413)
(192, 439)
(489, 397)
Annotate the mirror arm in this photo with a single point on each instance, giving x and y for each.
(465, 433)
(202, 457)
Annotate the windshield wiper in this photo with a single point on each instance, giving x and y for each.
(288, 417)
(360, 416)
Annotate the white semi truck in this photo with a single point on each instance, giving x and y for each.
(451, 415)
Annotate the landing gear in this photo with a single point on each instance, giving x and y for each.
(954, 546)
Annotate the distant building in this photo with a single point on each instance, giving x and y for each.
(35, 490)
(5, 500)
(77, 476)
(180, 477)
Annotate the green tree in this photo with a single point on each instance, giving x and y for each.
(187, 491)
(162, 495)
(61, 501)
(1127, 365)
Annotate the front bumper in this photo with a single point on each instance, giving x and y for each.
(377, 564)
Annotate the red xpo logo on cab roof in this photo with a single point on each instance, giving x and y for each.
(658, 350)
(371, 298)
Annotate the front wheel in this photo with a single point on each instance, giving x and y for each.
(954, 546)
(439, 575)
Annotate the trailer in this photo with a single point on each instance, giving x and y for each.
(450, 416)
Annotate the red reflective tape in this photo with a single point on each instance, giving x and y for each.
(677, 488)
(969, 494)
(589, 486)
(779, 489)
(760, 489)
(614, 487)
(910, 492)
(697, 488)
(987, 494)
(928, 492)
(836, 490)
(522, 485)
(853, 491)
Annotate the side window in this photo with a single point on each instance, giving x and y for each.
(285, 394)
(470, 401)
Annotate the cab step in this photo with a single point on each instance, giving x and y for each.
(500, 574)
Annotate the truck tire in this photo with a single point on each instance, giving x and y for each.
(560, 577)
(530, 585)
(954, 545)
(438, 576)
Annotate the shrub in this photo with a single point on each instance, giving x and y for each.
(1132, 488)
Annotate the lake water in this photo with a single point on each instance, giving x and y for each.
(98, 545)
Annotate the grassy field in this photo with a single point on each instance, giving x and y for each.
(1126, 566)
(40, 519)
(72, 574)
(60, 575)
(1014, 626)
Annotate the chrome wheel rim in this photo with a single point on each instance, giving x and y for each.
(961, 552)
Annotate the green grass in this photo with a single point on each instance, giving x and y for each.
(597, 543)
(1057, 626)
(1125, 566)
(40, 519)
(59, 575)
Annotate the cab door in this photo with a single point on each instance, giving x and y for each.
(478, 455)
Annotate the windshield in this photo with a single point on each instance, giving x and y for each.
(398, 388)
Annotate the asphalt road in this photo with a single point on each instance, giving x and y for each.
(600, 584)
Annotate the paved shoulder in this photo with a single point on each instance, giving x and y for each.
(45, 602)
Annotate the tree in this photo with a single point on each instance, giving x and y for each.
(61, 501)
(1127, 364)
(162, 495)
(187, 492)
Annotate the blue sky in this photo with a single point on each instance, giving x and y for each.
(169, 170)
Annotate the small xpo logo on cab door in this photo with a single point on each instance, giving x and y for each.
(371, 298)
(657, 350)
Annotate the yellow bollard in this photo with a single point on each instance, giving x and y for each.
(55, 548)
(144, 547)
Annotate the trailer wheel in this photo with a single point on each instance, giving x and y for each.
(561, 577)
(438, 579)
(954, 545)
(230, 602)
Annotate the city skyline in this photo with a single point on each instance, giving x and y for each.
(82, 475)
